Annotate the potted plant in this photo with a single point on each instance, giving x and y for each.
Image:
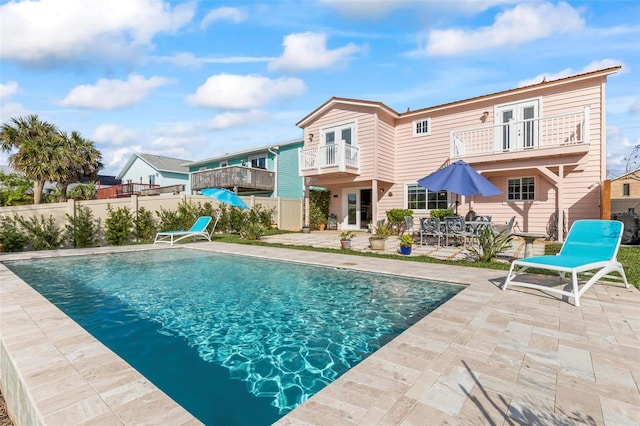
(381, 232)
(406, 241)
(345, 239)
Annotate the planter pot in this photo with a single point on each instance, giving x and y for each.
(406, 250)
(376, 243)
(305, 229)
(322, 226)
(345, 244)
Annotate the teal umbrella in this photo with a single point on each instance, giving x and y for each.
(225, 196)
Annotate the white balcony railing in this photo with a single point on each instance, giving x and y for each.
(544, 132)
(341, 155)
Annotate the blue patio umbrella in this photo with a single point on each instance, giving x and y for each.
(225, 196)
(461, 178)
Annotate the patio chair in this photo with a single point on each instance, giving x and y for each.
(456, 228)
(411, 228)
(199, 229)
(589, 250)
(430, 227)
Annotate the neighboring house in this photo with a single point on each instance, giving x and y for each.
(149, 174)
(270, 171)
(543, 145)
(625, 193)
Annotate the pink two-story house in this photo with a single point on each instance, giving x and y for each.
(543, 145)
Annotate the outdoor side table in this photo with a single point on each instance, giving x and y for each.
(529, 238)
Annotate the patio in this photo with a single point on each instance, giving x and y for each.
(484, 357)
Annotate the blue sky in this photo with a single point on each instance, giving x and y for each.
(195, 79)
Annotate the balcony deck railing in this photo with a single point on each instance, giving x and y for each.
(341, 155)
(543, 132)
(242, 178)
(123, 190)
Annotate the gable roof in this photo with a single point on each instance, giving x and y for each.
(158, 162)
(633, 174)
(390, 111)
(241, 153)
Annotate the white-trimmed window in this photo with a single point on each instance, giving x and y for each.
(224, 163)
(259, 162)
(521, 189)
(152, 179)
(342, 132)
(420, 198)
(422, 127)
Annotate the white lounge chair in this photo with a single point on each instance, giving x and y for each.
(198, 230)
(590, 249)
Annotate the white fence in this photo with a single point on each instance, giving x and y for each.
(288, 212)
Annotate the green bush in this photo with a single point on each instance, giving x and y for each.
(261, 215)
(118, 226)
(83, 191)
(253, 231)
(12, 237)
(490, 244)
(184, 217)
(42, 234)
(318, 207)
(396, 219)
(83, 230)
(144, 228)
(441, 213)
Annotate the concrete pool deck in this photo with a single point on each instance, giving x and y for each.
(484, 357)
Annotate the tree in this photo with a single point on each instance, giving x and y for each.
(83, 161)
(43, 153)
(14, 189)
(37, 150)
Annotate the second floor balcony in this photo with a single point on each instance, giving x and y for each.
(244, 179)
(562, 134)
(333, 158)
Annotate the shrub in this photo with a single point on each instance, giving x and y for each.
(383, 230)
(490, 244)
(441, 213)
(406, 240)
(396, 219)
(82, 230)
(187, 213)
(253, 231)
(144, 228)
(262, 215)
(12, 237)
(118, 225)
(318, 207)
(83, 191)
(42, 234)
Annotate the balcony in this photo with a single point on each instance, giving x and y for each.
(244, 179)
(556, 135)
(123, 190)
(334, 158)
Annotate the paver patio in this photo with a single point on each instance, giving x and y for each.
(484, 357)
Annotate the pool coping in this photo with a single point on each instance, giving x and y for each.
(484, 354)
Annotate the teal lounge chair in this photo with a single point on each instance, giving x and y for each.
(199, 229)
(590, 249)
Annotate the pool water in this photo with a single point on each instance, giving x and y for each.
(233, 339)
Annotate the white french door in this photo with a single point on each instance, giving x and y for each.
(352, 208)
(519, 125)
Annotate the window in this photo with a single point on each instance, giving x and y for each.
(625, 189)
(224, 164)
(521, 189)
(419, 198)
(259, 163)
(422, 127)
(342, 132)
(152, 179)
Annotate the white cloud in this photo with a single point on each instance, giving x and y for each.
(45, 31)
(229, 91)
(306, 51)
(524, 23)
(114, 134)
(189, 60)
(236, 119)
(7, 90)
(114, 160)
(232, 14)
(593, 66)
(113, 94)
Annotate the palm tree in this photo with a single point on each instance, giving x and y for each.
(37, 150)
(83, 161)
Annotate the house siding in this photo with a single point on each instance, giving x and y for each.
(565, 177)
(140, 170)
(290, 184)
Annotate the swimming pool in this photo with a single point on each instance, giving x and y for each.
(233, 339)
